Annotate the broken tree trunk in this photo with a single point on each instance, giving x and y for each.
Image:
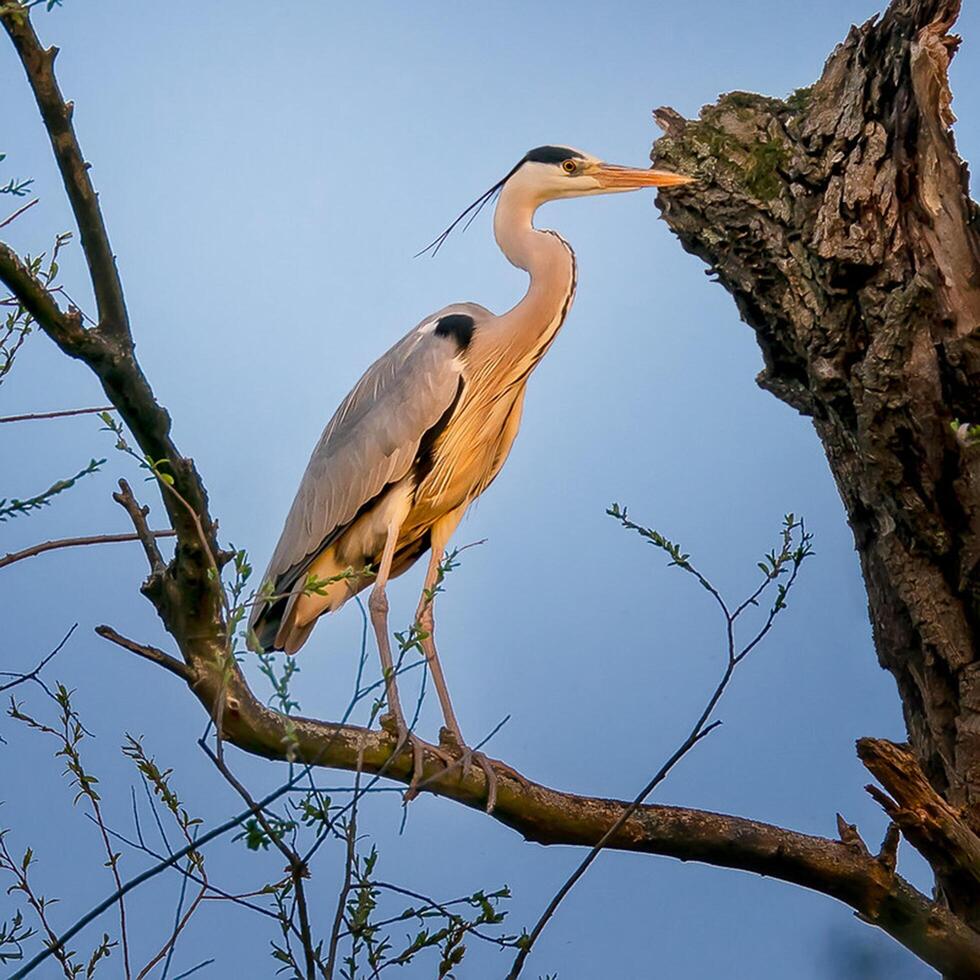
(840, 221)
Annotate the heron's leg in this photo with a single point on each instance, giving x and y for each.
(425, 619)
(378, 608)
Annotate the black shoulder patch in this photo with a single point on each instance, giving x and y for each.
(459, 326)
(552, 154)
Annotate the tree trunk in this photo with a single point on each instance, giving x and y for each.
(840, 221)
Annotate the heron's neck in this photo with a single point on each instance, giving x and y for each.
(547, 259)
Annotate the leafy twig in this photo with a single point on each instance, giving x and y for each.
(16, 507)
(795, 547)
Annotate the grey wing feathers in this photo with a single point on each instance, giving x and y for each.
(371, 441)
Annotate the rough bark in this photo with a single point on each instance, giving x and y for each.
(935, 827)
(840, 221)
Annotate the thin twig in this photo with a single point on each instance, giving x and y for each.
(219, 893)
(349, 856)
(194, 969)
(40, 549)
(13, 217)
(34, 675)
(701, 727)
(20, 871)
(37, 416)
(298, 869)
(96, 911)
(169, 945)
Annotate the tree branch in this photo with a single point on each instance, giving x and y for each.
(138, 515)
(548, 816)
(35, 674)
(64, 328)
(13, 217)
(932, 826)
(108, 349)
(39, 65)
(148, 652)
(36, 416)
(39, 549)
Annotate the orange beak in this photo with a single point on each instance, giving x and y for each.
(628, 178)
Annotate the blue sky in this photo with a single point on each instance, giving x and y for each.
(267, 175)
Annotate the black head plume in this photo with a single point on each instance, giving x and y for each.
(473, 210)
(540, 154)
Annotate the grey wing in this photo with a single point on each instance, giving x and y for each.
(371, 441)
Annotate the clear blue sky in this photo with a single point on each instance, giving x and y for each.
(267, 172)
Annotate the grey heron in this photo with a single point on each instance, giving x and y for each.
(425, 431)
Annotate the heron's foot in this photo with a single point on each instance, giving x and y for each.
(466, 757)
(394, 724)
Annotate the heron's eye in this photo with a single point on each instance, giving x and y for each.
(569, 166)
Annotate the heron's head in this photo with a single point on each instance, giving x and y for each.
(548, 173)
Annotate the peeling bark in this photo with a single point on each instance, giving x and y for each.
(934, 827)
(840, 221)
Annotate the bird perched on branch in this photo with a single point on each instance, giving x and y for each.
(425, 431)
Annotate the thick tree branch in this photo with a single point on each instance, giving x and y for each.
(64, 328)
(56, 113)
(547, 816)
(108, 349)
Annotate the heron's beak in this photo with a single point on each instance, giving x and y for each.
(613, 177)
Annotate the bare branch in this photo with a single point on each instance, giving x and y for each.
(36, 416)
(172, 664)
(38, 63)
(57, 944)
(175, 934)
(13, 217)
(934, 827)
(39, 549)
(34, 675)
(298, 869)
(64, 328)
(138, 515)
